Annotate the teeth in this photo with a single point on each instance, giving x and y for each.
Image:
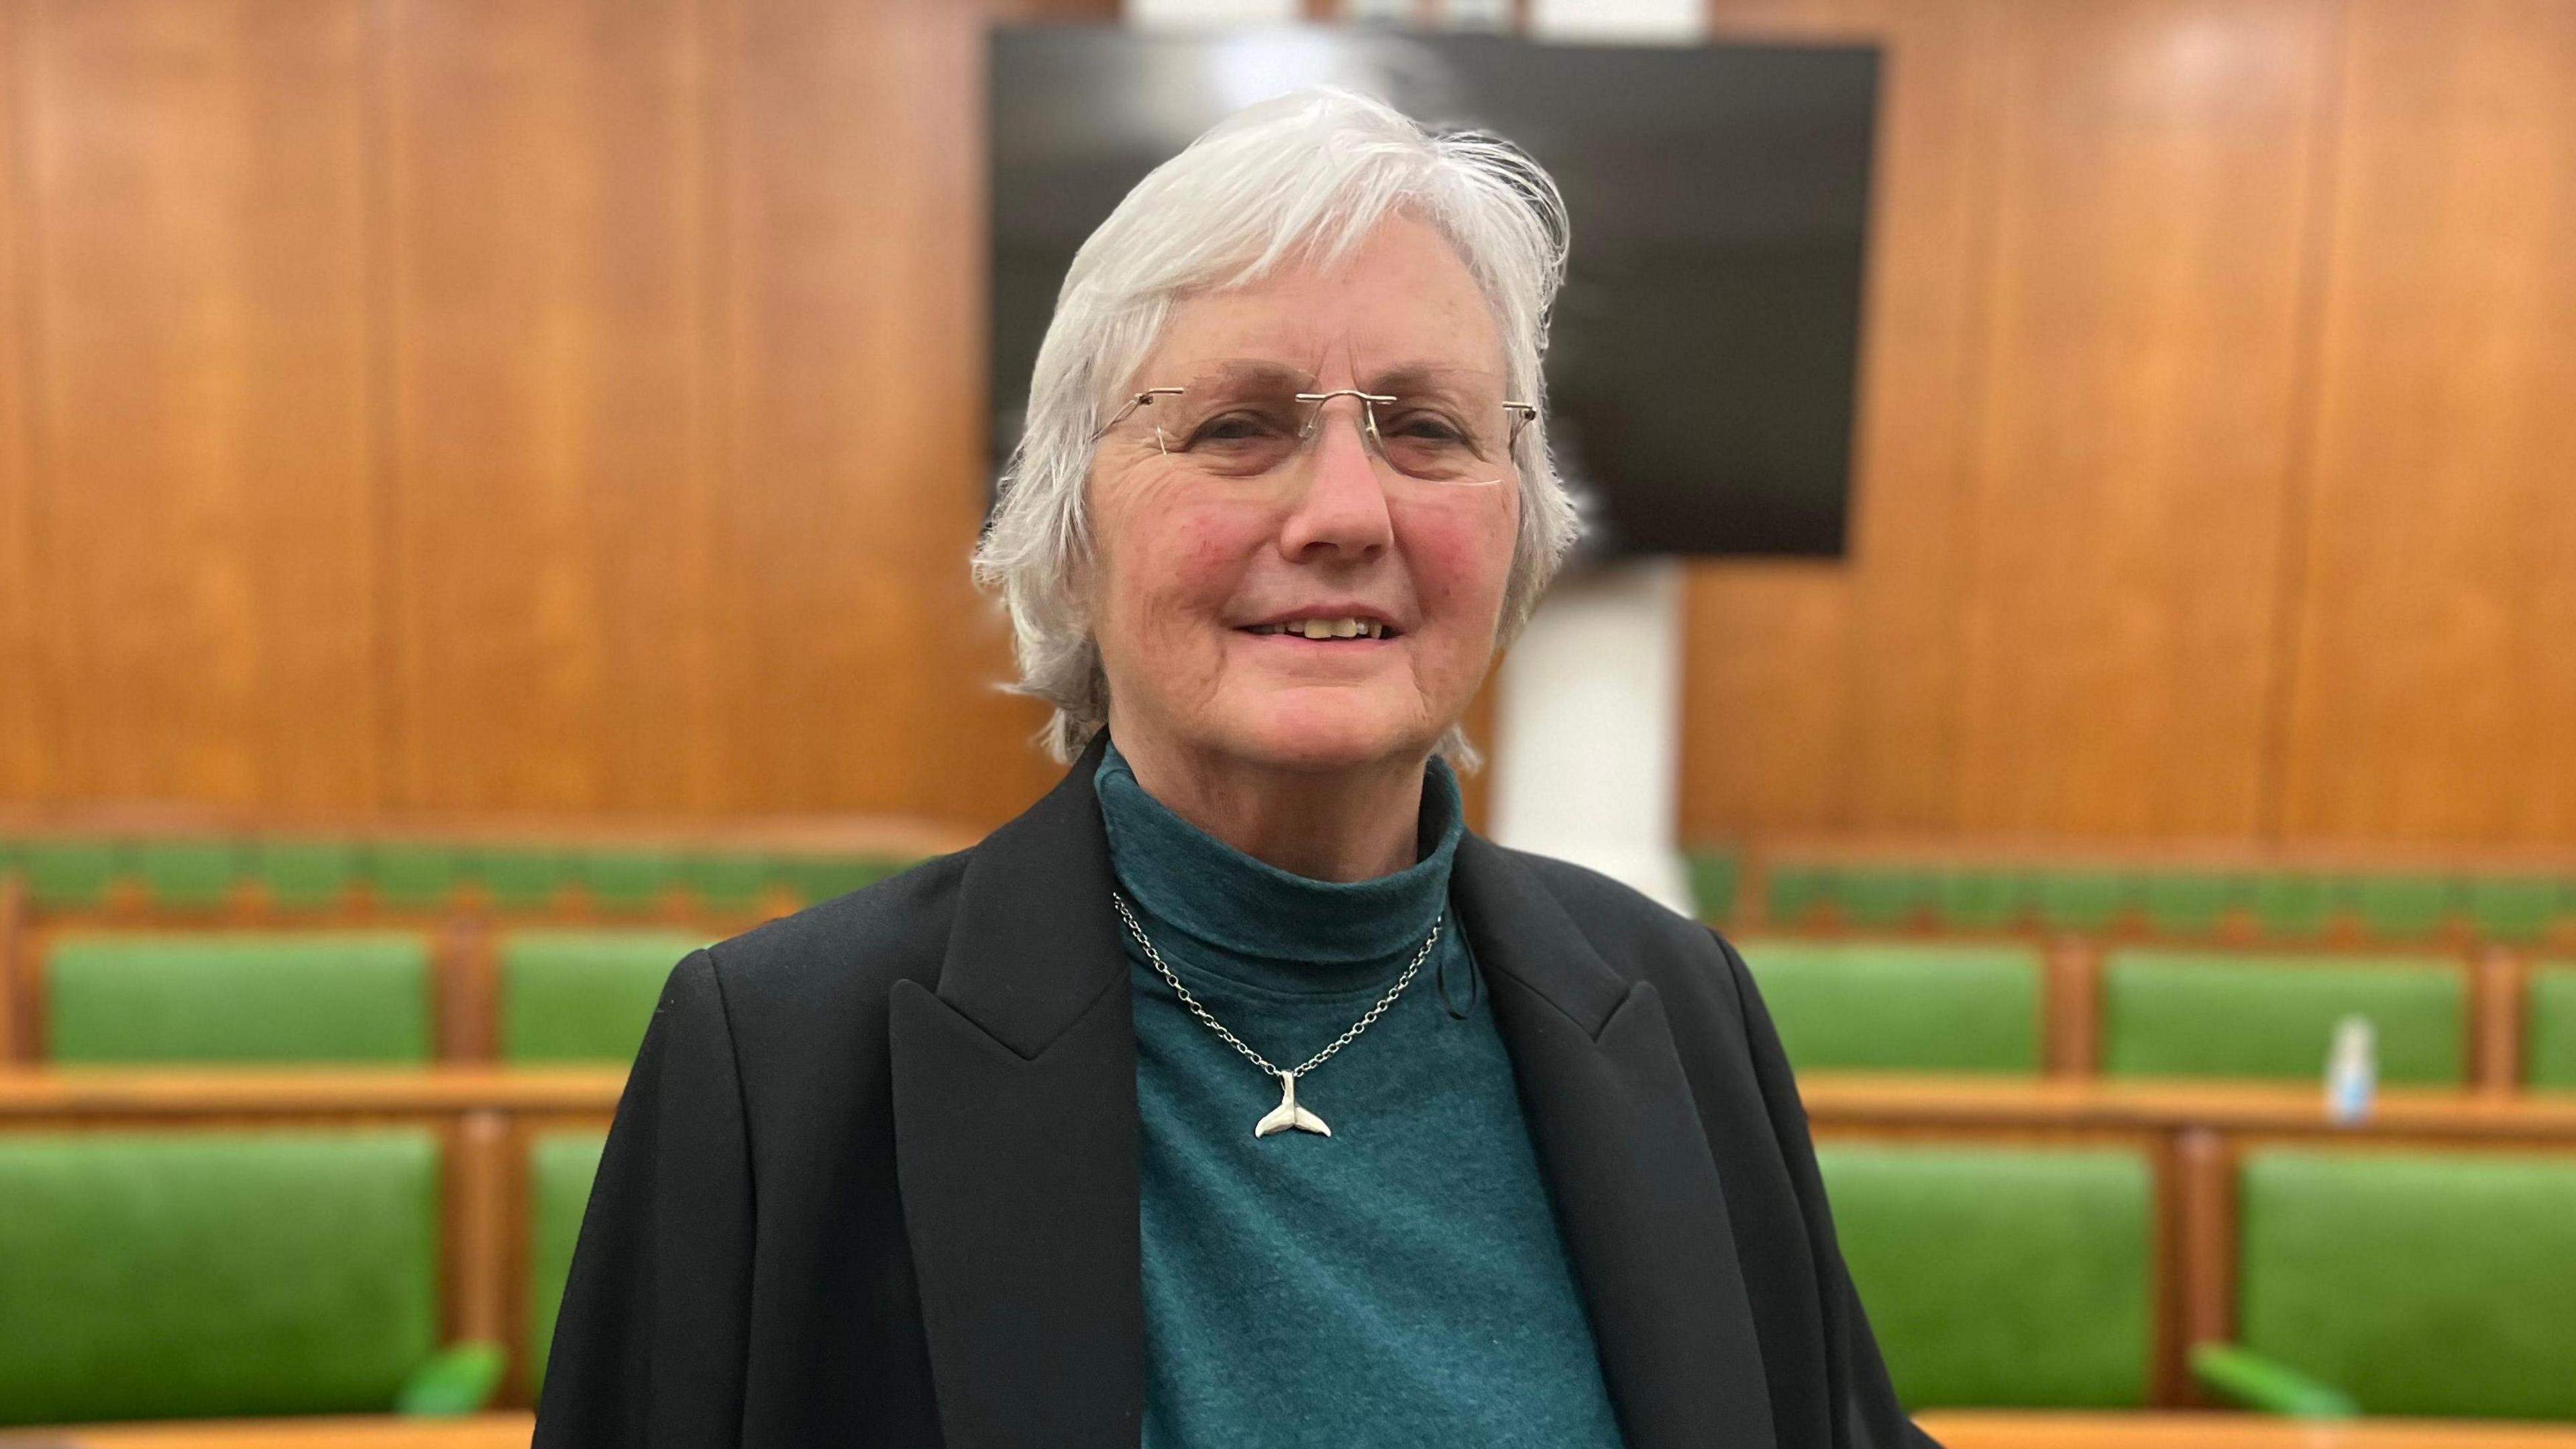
(1326, 628)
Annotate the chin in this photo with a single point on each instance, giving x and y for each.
(1321, 736)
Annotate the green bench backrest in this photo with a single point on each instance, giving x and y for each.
(560, 1168)
(583, 996)
(1901, 1006)
(2420, 1283)
(2549, 1045)
(2224, 1014)
(238, 997)
(207, 1274)
(2000, 1276)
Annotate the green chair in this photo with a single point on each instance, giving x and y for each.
(1979, 899)
(2400, 907)
(2000, 1276)
(2082, 900)
(1715, 877)
(1880, 896)
(1905, 1007)
(727, 880)
(1792, 891)
(630, 881)
(190, 875)
(2188, 903)
(238, 997)
(525, 878)
(583, 996)
(2420, 1283)
(306, 875)
(2291, 907)
(560, 1168)
(2549, 1026)
(205, 1274)
(2511, 908)
(66, 875)
(2184, 1013)
(417, 875)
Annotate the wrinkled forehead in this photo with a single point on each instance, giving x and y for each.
(1270, 376)
(1401, 299)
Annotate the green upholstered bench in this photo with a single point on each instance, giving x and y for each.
(1901, 1006)
(412, 875)
(2421, 1283)
(2228, 1014)
(2549, 1026)
(2000, 1276)
(68, 874)
(560, 1168)
(238, 997)
(194, 875)
(583, 996)
(207, 1274)
(306, 875)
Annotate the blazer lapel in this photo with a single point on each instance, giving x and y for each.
(1016, 1143)
(1627, 1162)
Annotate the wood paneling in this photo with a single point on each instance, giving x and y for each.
(1818, 695)
(191, 269)
(438, 405)
(857, 663)
(545, 286)
(26, 697)
(2135, 413)
(2435, 686)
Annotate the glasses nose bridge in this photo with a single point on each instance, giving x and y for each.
(1363, 417)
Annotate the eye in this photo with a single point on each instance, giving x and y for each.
(1423, 426)
(1234, 427)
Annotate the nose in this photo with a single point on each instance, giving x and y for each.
(1341, 512)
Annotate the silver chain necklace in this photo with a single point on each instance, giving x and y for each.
(1287, 1114)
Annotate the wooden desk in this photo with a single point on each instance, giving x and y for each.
(1953, 1106)
(1964, 1430)
(30, 1096)
(483, 1431)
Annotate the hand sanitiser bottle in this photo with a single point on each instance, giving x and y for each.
(2352, 1072)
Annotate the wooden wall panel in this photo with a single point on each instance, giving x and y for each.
(1823, 695)
(191, 266)
(27, 693)
(544, 305)
(2136, 414)
(2435, 692)
(858, 662)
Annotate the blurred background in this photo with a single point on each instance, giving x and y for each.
(485, 488)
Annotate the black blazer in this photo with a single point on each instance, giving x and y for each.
(874, 1179)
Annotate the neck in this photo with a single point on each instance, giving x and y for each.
(1351, 824)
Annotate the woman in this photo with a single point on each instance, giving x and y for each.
(1234, 1095)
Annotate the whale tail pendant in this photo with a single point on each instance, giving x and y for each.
(1288, 1114)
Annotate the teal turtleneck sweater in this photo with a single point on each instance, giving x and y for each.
(1401, 1282)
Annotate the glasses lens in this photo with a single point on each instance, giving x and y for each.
(1440, 439)
(1243, 420)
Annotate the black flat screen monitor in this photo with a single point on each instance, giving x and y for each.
(1706, 347)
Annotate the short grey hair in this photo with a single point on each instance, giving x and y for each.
(1304, 176)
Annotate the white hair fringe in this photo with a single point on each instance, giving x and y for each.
(1307, 175)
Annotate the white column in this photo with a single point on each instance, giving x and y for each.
(1586, 756)
(1204, 14)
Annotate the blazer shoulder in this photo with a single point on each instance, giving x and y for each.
(1617, 917)
(852, 947)
(1640, 938)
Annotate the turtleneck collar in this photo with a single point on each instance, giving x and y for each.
(1212, 907)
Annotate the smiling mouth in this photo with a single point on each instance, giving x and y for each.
(1326, 629)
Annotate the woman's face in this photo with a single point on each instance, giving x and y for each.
(1204, 554)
